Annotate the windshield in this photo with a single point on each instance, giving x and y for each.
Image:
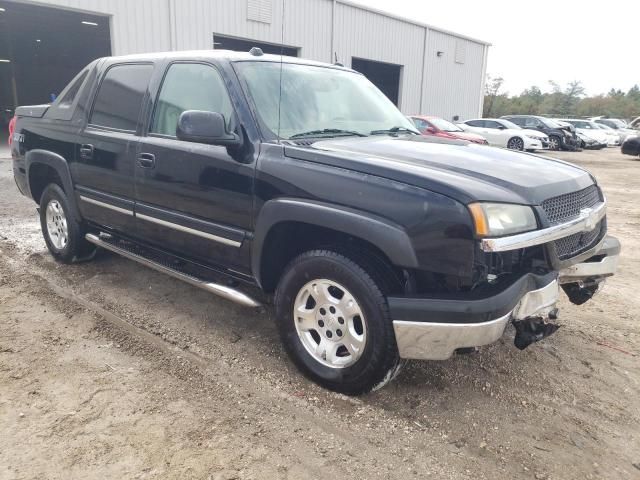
(444, 125)
(550, 123)
(318, 101)
(508, 124)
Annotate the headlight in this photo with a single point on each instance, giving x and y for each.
(532, 137)
(499, 219)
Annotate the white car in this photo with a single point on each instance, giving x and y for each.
(589, 130)
(614, 138)
(503, 133)
(621, 128)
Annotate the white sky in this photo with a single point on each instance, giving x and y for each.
(533, 42)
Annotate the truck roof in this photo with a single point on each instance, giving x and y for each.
(229, 55)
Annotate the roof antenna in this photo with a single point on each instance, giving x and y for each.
(281, 61)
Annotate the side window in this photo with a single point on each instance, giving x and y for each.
(189, 86)
(421, 124)
(518, 121)
(476, 123)
(491, 124)
(72, 91)
(119, 99)
(532, 123)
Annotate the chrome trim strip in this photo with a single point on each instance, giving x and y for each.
(439, 341)
(220, 290)
(587, 221)
(582, 271)
(191, 231)
(106, 205)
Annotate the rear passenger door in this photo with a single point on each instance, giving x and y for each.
(106, 148)
(192, 198)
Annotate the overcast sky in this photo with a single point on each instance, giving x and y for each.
(534, 42)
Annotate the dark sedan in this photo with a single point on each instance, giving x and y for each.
(631, 146)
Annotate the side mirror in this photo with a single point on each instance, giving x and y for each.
(430, 130)
(205, 127)
(501, 127)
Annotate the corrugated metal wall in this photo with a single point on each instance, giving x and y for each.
(452, 88)
(429, 84)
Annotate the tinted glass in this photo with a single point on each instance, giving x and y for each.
(72, 91)
(491, 124)
(189, 86)
(475, 123)
(518, 121)
(508, 124)
(119, 99)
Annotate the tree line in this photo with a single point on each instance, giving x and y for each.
(566, 101)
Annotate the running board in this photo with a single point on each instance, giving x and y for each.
(220, 290)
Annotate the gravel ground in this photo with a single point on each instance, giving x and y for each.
(111, 370)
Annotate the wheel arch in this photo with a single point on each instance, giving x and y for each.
(44, 167)
(277, 217)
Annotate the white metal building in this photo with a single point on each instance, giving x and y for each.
(420, 67)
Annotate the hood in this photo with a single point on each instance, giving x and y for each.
(461, 170)
(533, 133)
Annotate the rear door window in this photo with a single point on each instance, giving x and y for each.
(119, 100)
(476, 123)
(189, 86)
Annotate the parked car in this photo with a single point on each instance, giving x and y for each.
(503, 133)
(613, 137)
(635, 123)
(439, 127)
(588, 132)
(631, 145)
(618, 125)
(373, 242)
(560, 137)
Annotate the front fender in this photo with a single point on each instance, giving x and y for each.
(389, 237)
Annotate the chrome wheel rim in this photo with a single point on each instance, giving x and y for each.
(516, 144)
(330, 324)
(57, 225)
(553, 143)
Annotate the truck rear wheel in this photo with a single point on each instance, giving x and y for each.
(334, 322)
(63, 235)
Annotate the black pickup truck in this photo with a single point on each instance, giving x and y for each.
(269, 179)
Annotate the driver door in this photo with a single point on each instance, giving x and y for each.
(192, 199)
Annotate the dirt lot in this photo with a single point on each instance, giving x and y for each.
(110, 370)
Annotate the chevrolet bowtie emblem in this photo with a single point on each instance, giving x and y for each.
(590, 221)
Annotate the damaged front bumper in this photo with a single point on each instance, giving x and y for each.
(434, 328)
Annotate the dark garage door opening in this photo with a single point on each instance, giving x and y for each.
(43, 48)
(221, 42)
(385, 76)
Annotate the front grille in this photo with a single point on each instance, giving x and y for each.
(577, 243)
(566, 207)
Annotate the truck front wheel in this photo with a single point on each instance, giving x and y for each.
(334, 322)
(63, 235)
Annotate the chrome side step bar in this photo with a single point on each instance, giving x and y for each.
(220, 290)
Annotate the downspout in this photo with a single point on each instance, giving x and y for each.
(172, 25)
(424, 68)
(483, 80)
(332, 58)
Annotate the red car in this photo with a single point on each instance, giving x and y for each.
(442, 128)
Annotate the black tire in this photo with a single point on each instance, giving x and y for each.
(515, 143)
(76, 247)
(554, 142)
(379, 362)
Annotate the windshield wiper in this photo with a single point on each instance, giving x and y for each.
(393, 130)
(328, 131)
